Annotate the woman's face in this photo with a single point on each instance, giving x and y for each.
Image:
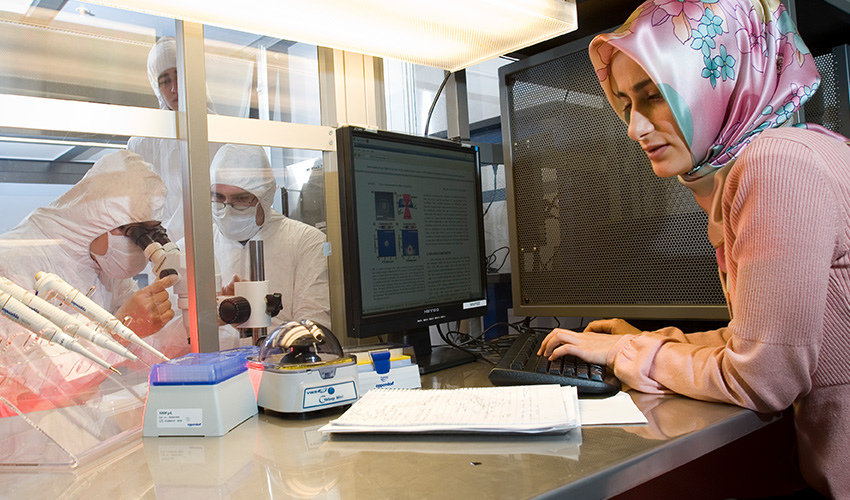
(649, 117)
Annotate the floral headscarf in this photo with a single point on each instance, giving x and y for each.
(729, 69)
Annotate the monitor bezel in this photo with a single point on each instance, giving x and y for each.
(359, 325)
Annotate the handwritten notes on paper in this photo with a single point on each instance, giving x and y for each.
(508, 409)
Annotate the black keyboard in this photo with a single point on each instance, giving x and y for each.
(521, 365)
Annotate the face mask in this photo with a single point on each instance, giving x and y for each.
(123, 258)
(237, 225)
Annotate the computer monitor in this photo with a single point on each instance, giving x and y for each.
(412, 238)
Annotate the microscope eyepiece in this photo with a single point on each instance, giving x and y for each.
(144, 236)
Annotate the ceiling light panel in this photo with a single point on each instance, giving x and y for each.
(448, 34)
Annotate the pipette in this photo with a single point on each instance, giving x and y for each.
(60, 318)
(16, 311)
(45, 282)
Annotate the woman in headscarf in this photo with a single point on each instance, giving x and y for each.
(707, 88)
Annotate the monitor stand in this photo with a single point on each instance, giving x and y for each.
(430, 359)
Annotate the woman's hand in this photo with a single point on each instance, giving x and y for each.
(149, 308)
(612, 326)
(591, 345)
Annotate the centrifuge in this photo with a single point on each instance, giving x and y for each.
(304, 369)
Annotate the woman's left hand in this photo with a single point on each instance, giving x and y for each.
(589, 346)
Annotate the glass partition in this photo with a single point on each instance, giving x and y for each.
(78, 99)
(78, 51)
(255, 76)
(482, 86)
(301, 185)
(38, 166)
(410, 91)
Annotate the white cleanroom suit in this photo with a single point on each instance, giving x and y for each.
(295, 262)
(119, 189)
(167, 156)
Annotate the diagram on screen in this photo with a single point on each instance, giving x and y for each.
(384, 205)
(385, 239)
(406, 205)
(410, 242)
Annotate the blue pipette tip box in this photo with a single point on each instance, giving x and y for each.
(205, 394)
(198, 369)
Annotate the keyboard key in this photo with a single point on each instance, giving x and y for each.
(582, 370)
(569, 366)
(542, 365)
(596, 372)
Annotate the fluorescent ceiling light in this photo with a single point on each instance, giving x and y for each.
(447, 34)
(60, 142)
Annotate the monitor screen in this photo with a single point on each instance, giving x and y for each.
(412, 233)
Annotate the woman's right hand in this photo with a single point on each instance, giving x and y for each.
(614, 326)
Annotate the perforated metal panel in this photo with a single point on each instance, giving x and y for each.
(828, 106)
(595, 232)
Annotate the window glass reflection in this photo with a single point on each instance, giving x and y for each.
(255, 76)
(410, 91)
(38, 166)
(482, 88)
(78, 51)
(42, 172)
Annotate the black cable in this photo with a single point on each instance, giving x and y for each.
(433, 104)
(450, 342)
(495, 188)
(492, 259)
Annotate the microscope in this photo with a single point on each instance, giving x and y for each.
(250, 309)
(166, 259)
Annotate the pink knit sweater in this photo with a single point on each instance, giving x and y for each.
(786, 240)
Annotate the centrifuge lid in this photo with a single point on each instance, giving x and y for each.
(301, 344)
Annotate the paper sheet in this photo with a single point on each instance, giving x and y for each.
(522, 409)
(618, 409)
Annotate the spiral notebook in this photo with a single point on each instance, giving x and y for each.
(528, 409)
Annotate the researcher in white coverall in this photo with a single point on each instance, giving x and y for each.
(80, 237)
(167, 156)
(242, 190)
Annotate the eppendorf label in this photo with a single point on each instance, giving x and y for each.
(181, 418)
(329, 394)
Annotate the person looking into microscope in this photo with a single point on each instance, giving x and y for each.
(80, 236)
(242, 190)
